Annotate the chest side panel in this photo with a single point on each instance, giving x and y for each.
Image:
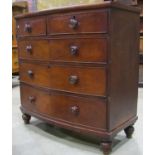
(123, 79)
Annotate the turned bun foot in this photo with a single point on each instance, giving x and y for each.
(26, 118)
(129, 131)
(106, 147)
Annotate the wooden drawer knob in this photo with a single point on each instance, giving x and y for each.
(32, 99)
(73, 23)
(73, 50)
(75, 110)
(73, 79)
(29, 48)
(30, 73)
(28, 28)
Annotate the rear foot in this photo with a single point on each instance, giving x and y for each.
(129, 131)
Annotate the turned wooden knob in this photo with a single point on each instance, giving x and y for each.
(73, 23)
(75, 110)
(30, 73)
(73, 79)
(73, 50)
(32, 99)
(28, 28)
(29, 48)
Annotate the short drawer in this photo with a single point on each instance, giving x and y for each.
(77, 79)
(34, 49)
(78, 110)
(79, 22)
(79, 49)
(35, 26)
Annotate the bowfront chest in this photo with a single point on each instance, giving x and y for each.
(79, 68)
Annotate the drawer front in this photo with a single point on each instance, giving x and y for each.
(82, 22)
(31, 26)
(85, 80)
(79, 49)
(34, 49)
(79, 110)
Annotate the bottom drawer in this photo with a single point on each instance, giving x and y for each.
(78, 110)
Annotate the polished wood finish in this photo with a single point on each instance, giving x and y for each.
(87, 23)
(123, 73)
(34, 49)
(79, 50)
(86, 7)
(79, 68)
(65, 107)
(71, 49)
(31, 26)
(58, 77)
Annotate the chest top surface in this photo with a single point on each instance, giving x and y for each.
(104, 5)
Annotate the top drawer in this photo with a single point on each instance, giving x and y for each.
(81, 22)
(35, 26)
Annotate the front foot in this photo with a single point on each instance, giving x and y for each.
(129, 131)
(26, 118)
(106, 147)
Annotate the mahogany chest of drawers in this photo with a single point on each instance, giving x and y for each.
(79, 68)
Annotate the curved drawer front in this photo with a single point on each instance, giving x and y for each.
(79, 49)
(80, 22)
(77, 110)
(85, 80)
(35, 26)
(34, 49)
(74, 50)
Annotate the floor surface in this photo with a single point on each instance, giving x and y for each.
(39, 138)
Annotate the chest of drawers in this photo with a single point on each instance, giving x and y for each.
(79, 68)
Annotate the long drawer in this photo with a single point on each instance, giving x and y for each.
(77, 110)
(74, 49)
(78, 22)
(77, 79)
